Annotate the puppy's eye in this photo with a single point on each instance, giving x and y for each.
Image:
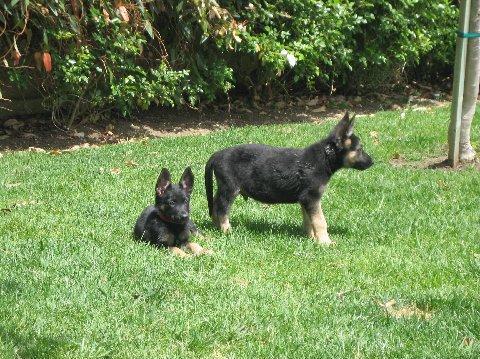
(171, 203)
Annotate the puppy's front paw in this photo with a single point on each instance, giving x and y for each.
(226, 229)
(178, 252)
(197, 249)
(324, 240)
(223, 223)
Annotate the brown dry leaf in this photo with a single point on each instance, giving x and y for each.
(12, 185)
(17, 205)
(56, 152)
(374, 136)
(47, 61)
(28, 135)
(213, 13)
(405, 312)
(106, 15)
(131, 163)
(442, 184)
(16, 55)
(79, 134)
(36, 150)
(236, 37)
(115, 171)
(341, 295)
(420, 108)
(319, 109)
(312, 102)
(396, 156)
(123, 13)
(13, 124)
(94, 136)
(467, 341)
(38, 60)
(23, 203)
(241, 282)
(75, 8)
(78, 147)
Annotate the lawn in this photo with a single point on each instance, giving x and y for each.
(73, 283)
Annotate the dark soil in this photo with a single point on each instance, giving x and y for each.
(438, 163)
(40, 133)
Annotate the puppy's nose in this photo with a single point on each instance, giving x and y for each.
(183, 215)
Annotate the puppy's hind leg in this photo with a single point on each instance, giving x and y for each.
(221, 208)
(307, 225)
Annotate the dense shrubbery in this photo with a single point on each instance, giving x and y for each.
(96, 56)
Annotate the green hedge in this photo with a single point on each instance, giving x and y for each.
(93, 57)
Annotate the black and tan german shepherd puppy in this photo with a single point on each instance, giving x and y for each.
(167, 223)
(283, 175)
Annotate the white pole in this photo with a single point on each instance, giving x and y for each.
(470, 87)
(458, 84)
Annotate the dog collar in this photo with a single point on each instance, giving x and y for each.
(165, 218)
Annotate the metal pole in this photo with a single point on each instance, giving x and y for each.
(458, 85)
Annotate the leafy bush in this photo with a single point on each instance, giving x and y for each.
(348, 44)
(92, 57)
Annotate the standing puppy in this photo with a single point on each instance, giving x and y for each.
(167, 223)
(283, 175)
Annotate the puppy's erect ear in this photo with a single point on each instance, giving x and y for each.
(344, 128)
(349, 132)
(163, 182)
(186, 182)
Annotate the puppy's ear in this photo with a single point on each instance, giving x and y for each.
(163, 182)
(349, 131)
(344, 128)
(186, 182)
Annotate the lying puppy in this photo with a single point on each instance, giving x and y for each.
(283, 175)
(167, 223)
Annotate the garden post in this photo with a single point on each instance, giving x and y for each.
(458, 84)
(472, 78)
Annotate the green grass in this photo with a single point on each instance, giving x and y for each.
(73, 284)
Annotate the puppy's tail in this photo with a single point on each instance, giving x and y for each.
(209, 184)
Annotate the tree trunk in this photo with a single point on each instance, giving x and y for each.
(472, 77)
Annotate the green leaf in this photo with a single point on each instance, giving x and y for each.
(141, 7)
(148, 28)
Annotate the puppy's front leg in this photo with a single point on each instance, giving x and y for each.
(193, 229)
(197, 249)
(319, 224)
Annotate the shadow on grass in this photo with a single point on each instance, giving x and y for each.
(263, 226)
(31, 345)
